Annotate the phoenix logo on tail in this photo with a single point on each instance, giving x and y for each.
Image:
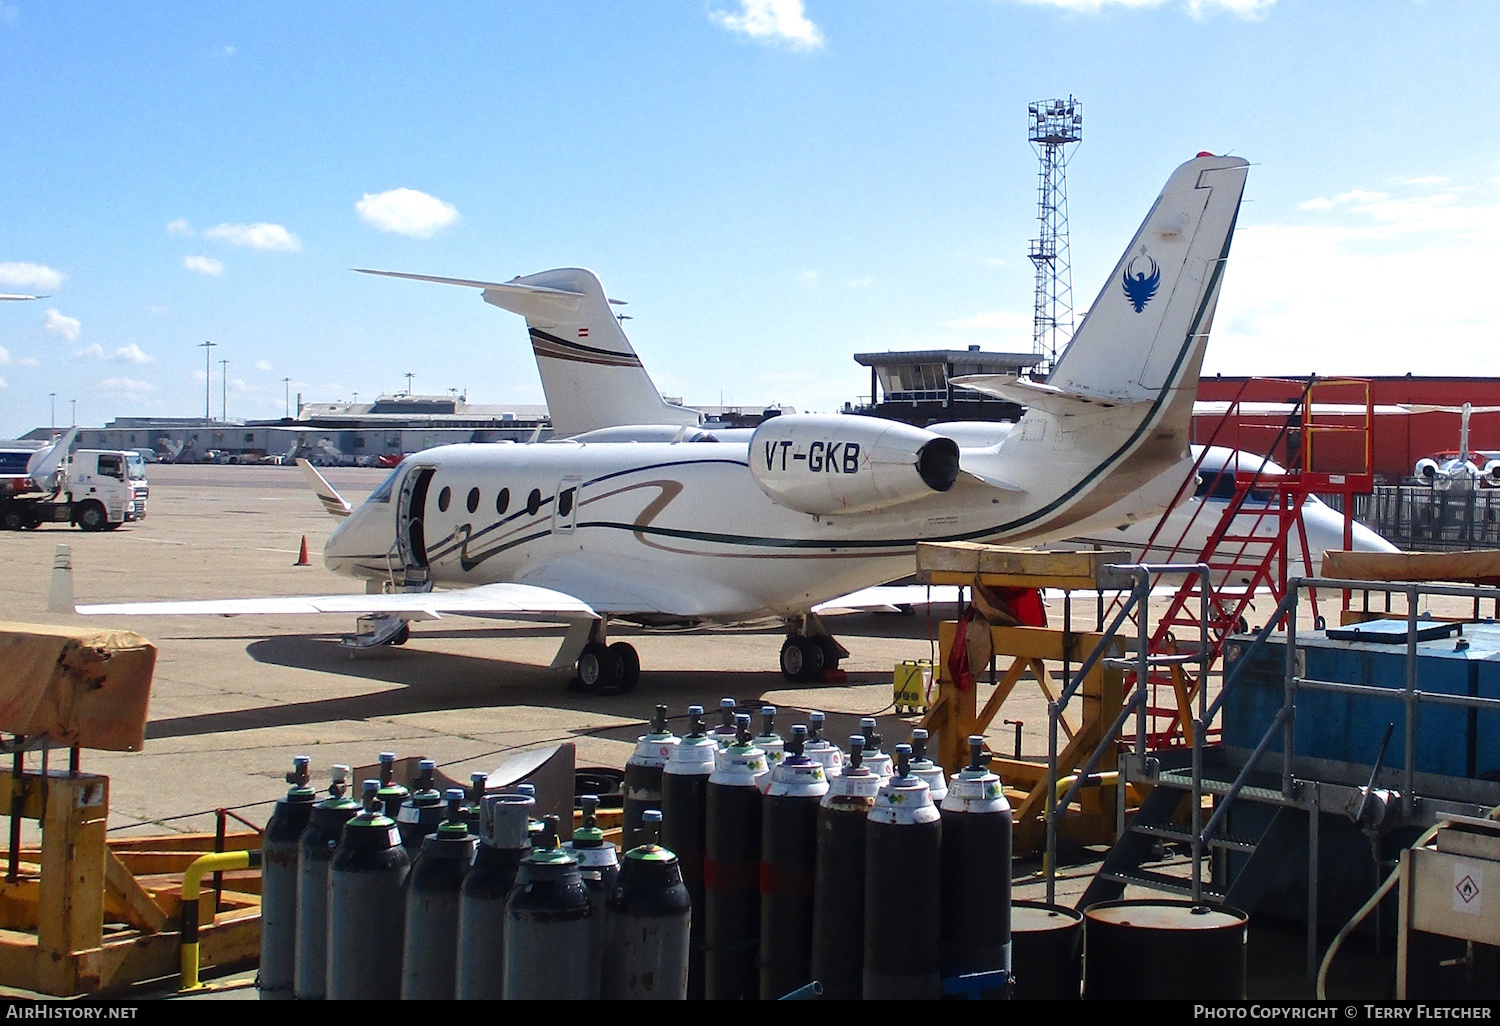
(1139, 286)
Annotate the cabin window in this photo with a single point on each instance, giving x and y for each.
(534, 501)
(502, 501)
(110, 466)
(444, 498)
(473, 499)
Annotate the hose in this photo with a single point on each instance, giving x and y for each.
(1375, 899)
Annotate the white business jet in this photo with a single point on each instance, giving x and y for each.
(639, 514)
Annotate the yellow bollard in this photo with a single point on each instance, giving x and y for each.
(187, 943)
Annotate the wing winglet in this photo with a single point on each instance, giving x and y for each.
(332, 501)
(1037, 394)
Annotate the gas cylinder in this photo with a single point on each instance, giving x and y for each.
(903, 860)
(366, 906)
(731, 871)
(599, 866)
(314, 852)
(473, 810)
(821, 749)
(923, 766)
(278, 887)
(839, 893)
(769, 742)
(643, 777)
(724, 733)
(534, 826)
(976, 871)
(684, 819)
(788, 860)
(547, 924)
(878, 761)
(421, 811)
(649, 915)
(392, 794)
(505, 841)
(429, 961)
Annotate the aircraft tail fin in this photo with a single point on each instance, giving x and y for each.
(43, 463)
(591, 375)
(333, 502)
(1143, 338)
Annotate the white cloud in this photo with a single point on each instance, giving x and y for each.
(28, 361)
(180, 228)
(132, 353)
(861, 283)
(203, 265)
(3, 383)
(406, 212)
(4, 356)
(772, 21)
(1196, 8)
(159, 311)
(809, 278)
(8, 14)
(30, 276)
(92, 351)
(263, 365)
(256, 236)
(62, 325)
(131, 387)
(228, 51)
(1369, 284)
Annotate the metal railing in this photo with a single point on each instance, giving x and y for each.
(1283, 721)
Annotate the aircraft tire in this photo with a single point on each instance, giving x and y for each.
(600, 670)
(801, 660)
(630, 668)
(830, 651)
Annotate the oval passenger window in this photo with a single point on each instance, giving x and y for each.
(502, 501)
(444, 497)
(534, 501)
(473, 499)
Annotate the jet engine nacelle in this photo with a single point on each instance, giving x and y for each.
(848, 464)
(1427, 470)
(1492, 473)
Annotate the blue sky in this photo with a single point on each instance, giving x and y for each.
(772, 185)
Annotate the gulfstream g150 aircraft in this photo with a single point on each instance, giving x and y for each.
(639, 514)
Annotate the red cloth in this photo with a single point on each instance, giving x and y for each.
(1025, 604)
(958, 656)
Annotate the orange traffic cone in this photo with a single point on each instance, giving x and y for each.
(302, 559)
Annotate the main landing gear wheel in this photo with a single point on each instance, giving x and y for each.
(802, 659)
(608, 669)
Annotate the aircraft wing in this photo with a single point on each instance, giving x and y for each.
(500, 601)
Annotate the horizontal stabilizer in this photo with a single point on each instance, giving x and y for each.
(1038, 395)
(502, 601)
(332, 501)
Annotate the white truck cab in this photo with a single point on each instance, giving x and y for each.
(105, 487)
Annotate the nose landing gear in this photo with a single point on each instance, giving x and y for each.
(810, 653)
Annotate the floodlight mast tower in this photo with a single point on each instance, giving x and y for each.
(1055, 125)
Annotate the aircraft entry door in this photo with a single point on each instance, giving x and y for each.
(565, 510)
(411, 506)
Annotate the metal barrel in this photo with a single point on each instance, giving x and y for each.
(975, 924)
(903, 863)
(278, 885)
(731, 872)
(838, 950)
(649, 920)
(314, 853)
(366, 905)
(429, 959)
(879, 762)
(825, 751)
(599, 865)
(392, 795)
(421, 810)
(505, 841)
(788, 861)
(643, 771)
(1046, 952)
(684, 820)
(924, 767)
(548, 919)
(769, 742)
(1157, 950)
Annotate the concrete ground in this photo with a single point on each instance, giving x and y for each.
(235, 699)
